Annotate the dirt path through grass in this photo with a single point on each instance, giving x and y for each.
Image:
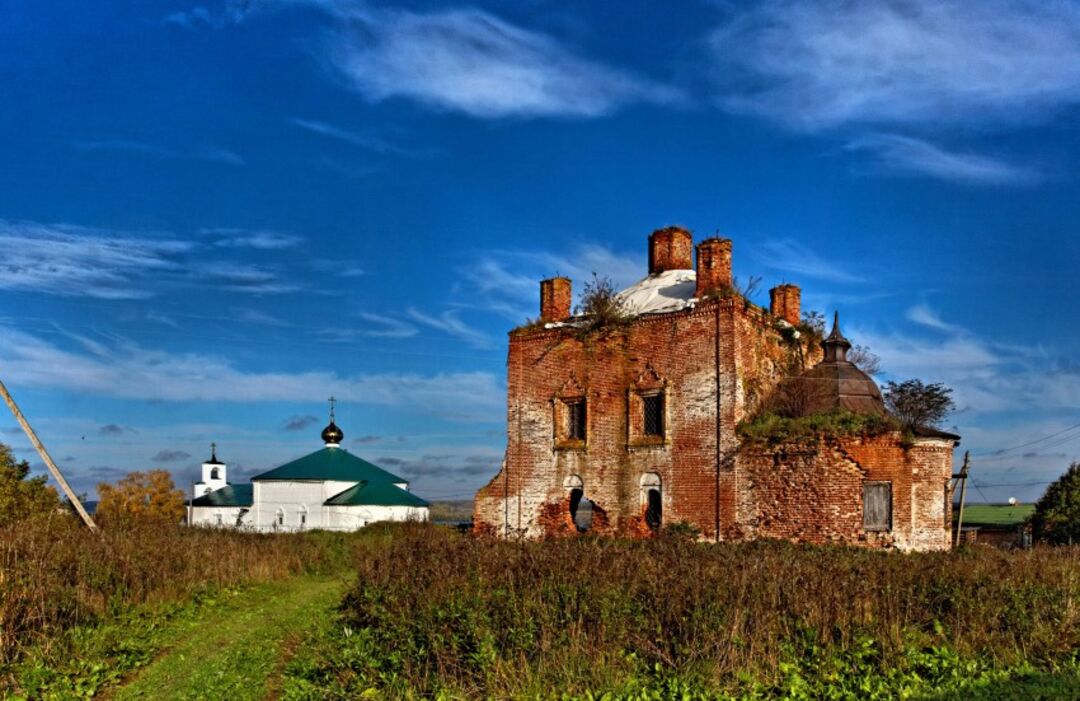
(236, 653)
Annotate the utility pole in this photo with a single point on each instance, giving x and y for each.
(962, 477)
(53, 469)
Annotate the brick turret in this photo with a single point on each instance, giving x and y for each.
(670, 248)
(784, 301)
(713, 265)
(556, 296)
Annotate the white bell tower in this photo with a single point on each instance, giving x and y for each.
(213, 475)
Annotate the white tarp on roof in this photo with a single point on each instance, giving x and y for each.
(668, 291)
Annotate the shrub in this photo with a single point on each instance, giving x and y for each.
(435, 614)
(600, 306)
(1057, 513)
(917, 404)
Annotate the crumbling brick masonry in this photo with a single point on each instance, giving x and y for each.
(627, 427)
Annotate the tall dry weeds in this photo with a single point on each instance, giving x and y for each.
(55, 574)
(487, 616)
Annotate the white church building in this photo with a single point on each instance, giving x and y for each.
(330, 489)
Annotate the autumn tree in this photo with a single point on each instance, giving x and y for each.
(142, 495)
(22, 496)
(1057, 513)
(917, 404)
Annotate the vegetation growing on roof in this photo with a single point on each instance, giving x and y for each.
(770, 428)
(600, 308)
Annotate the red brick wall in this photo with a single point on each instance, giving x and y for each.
(814, 493)
(716, 363)
(678, 352)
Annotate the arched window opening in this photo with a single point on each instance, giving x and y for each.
(654, 510)
(651, 500)
(215, 473)
(303, 516)
(279, 518)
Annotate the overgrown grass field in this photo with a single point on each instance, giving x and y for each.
(435, 613)
(432, 613)
(56, 575)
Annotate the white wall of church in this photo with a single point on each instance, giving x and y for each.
(217, 516)
(351, 518)
(294, 505)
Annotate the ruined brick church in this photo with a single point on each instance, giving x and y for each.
(624, 430)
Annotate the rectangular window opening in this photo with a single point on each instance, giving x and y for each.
(653, 408)
(877, 506)
(575, 419)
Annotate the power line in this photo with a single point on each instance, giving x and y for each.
(1037, 440)
(980, 491)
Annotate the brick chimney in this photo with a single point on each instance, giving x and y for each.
(713, 266)
(670, 248)
(556, 295)
(784, 302)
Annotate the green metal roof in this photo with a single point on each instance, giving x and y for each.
(375, 494)
(995, 514)
(233, 495)
(330, 464)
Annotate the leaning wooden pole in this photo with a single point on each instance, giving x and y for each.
(963, 493)
(53, 469)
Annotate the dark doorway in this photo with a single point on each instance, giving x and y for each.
(654, 510)
(580, 510)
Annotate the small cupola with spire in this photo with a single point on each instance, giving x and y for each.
(838, 383)
(332, 435)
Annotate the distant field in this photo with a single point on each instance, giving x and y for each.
(455, 511)
(420, 611)
(996, 514)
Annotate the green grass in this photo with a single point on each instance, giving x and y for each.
(230, 645)
(235, 654)
(995, 514)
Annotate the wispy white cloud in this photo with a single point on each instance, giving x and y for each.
(819, 63)
(473, 62)
(987, 377)
(790, 256)
(381, 326)
(130, 371)
(507, 282)
(364, 141)
(210, 154)
(924, 315)
(245, 238)
(906, 155)
(256, 316)
(76, 261)
(450, 323)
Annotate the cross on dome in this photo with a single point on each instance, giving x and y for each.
(332, 435)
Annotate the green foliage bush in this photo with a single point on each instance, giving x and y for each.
(770, 428)
(439, 615)
(1057, 513)
(21, 496)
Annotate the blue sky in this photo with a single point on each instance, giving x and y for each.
(213, 216)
